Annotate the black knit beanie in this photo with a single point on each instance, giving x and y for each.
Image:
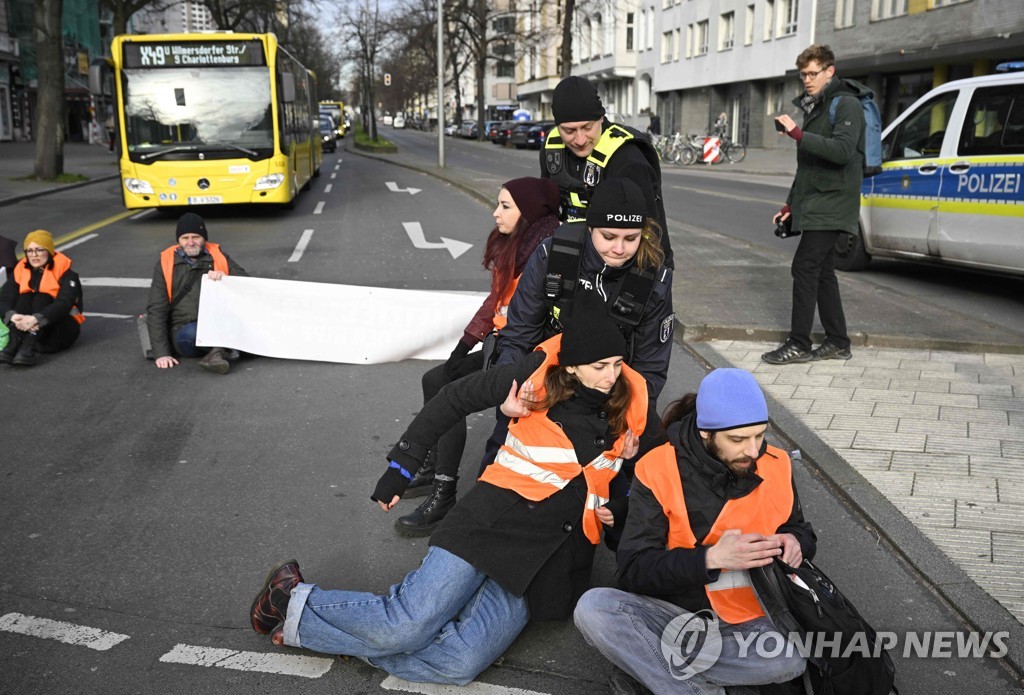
(617, 203)
(534, 197)
(191, 223)
(590, 334)
(575, 99)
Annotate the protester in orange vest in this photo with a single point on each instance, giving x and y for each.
(526, 215)
(172, 314)
(518, 546)
(41, 303)
(712, 503)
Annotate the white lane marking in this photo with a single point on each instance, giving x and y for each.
(284, 664)
(393, 187)
(69, 633)
(144, 213)
(328, 187)
(337, 165)
(300, 247)
(98, 315)
(719, 194)
(319, 208)
(474, 688)
(415, 231)
(334, 175)
(81, 240)
(116, 282)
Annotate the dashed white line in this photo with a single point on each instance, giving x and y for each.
(64, 247)
(98, 315)
(474, 688)
(69, 633)
(283, 664)
(328, 187)
(334, 175)
(319, 208)
(300, 247)
(117, 282)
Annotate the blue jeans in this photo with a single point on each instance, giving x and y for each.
(185, 341)
(445, 623)
(626, 628)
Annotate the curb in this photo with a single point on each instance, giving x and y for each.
(57, 189)
(962, 596)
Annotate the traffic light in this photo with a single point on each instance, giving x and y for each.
(387, 79)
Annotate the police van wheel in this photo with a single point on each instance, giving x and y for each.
(850, 253)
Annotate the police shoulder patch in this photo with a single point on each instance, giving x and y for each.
(666, 328)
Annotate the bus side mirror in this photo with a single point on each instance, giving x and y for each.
(97, 71)
(287, 87)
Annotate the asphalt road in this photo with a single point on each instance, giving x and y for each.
(149, 503)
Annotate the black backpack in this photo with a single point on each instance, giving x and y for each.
(853, 664)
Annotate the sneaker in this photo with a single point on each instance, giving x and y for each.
(787, 353)
(270, 606)
(830, 351)
(215, 362)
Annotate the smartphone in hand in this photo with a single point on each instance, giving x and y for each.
(779, 127)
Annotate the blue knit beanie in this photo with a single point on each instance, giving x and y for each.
(728, 399)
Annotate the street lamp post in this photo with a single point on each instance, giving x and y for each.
(440, 83)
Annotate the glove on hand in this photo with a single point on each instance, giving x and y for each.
(394, 482)
(458, 354)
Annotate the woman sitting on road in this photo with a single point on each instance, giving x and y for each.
(506, 553)
(526, 215)
(41, 303)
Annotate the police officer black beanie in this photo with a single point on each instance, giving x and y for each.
(534, 197)
(190, 223)
(575, 99)
(728, 399)
(590, 334)
(617, 203)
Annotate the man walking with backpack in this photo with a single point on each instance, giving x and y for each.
(823, 202)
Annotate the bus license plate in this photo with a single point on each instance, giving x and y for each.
(204, 199)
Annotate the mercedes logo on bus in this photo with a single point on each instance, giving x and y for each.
(203, 184)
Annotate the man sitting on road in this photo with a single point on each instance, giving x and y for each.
(712, 503)
(172, 314)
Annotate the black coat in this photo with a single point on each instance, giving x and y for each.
(68, 295)
(678, 575)
(537, 549)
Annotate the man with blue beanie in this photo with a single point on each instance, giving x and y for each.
(704, 508)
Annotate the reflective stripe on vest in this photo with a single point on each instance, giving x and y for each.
(49, 282)
(762, 511)
(220, 262)
(501, 308)
(538, 459)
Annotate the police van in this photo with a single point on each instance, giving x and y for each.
(951, 189)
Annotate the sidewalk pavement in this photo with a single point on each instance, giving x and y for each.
(17, 160)
(922, 431)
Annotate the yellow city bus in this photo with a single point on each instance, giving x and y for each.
(337, 111)
(208, 119)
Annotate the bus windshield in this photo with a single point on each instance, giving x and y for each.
(180, 113)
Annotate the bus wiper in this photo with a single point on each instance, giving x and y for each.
(168, 150)
(230, 146)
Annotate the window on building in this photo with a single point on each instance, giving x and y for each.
(666, 46)
(629, 31)
(598, 36)
(775, 98)
(641, 40)
(886, 9)
(748, 27)
(844, 13)
(769, 20)
(787, 17)
(650, 28)
(726, 31)
(701, 45)
(689, 40)
(676, 40)
(505, 68)
(665, 4)
(504, 25)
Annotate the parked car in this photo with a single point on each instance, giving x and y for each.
(950, 187)
(517, 137)
(328, 138)
(388, 119)
(450, 129)
(398, 122)
(339, 130)
(500, 132)
(537, 133)
(468, 129)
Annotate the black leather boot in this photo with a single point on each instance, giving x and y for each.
(13, 343)
(26, 355)
(423, 481)
(425, 518)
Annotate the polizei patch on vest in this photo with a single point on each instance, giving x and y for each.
(612, 217)
(666, 328)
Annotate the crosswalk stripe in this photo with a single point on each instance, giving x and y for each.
(283, 664)
(474, 688)
(69, 633)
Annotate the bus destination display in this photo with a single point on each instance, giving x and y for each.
(193, 54)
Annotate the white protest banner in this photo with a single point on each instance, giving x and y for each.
(331, 323)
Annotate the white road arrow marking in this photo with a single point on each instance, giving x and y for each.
(455, 247)
(393, 187)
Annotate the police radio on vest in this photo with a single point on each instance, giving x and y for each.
(624, 218)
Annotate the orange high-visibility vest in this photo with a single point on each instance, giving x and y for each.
(501, 308)
(220, 262)
(762, 511)
(538, 459)
(50, 281)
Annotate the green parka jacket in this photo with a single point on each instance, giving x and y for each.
(826, 191)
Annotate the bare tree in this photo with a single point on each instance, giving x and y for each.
(366, 30)
(124, 9)
(46, 31)
(565, 50)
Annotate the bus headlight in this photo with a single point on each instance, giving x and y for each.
(269, 181)
(137, 186)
